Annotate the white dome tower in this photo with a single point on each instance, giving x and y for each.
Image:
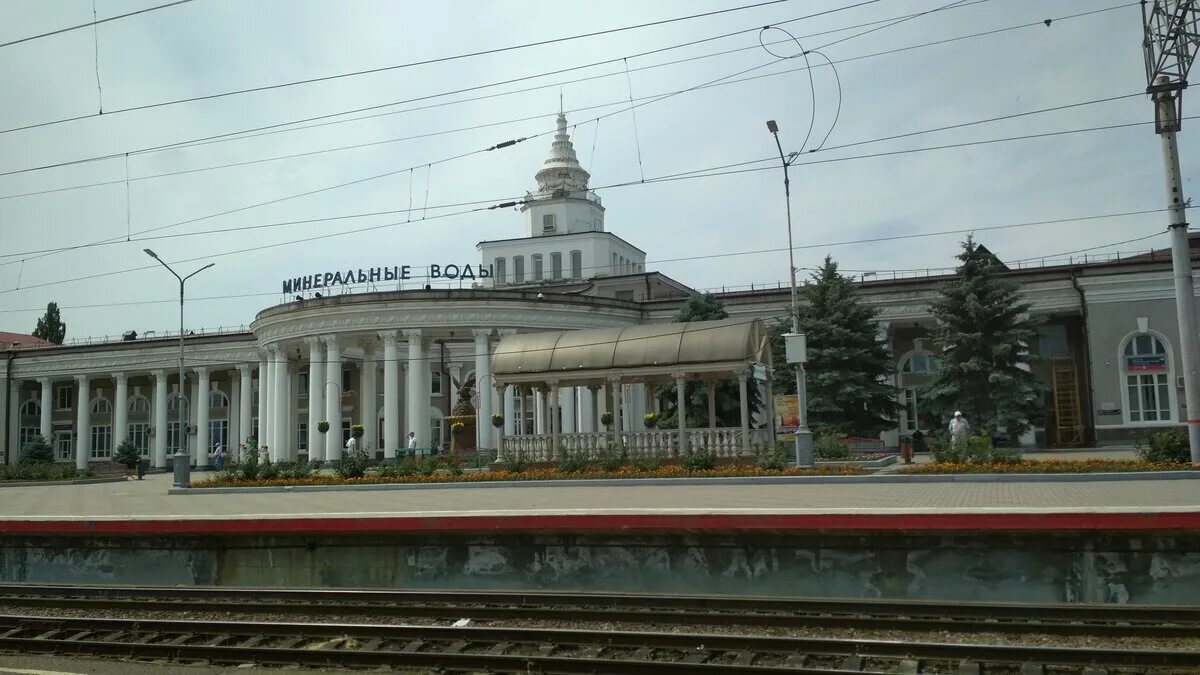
(562, 204)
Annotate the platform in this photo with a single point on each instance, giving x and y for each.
(134, 507)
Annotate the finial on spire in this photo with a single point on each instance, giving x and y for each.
(560, 101)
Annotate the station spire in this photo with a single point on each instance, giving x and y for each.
(561, 174)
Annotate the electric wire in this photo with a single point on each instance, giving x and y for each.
(94, 22)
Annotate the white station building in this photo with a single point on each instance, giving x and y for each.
(372, 347)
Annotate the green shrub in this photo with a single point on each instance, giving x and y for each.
(651, 463)
(1165, 447)
(268, 470)
(37, 451)
(977, 449)
(452, 463)
(299, 469)
(611, 458)
(352, 464)
(699, 459)
(572, 461)
(515, 461)
(36, 471)
(829, 447)
(127, 455)
(772, 457)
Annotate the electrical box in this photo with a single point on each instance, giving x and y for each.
(795, 347)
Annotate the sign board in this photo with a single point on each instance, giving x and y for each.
(375, 275)
(795, 348)
(787, 417)
(1146, 364)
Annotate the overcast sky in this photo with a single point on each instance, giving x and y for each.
(214, 46)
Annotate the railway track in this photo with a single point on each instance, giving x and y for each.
(523, 650)
(1059, 619)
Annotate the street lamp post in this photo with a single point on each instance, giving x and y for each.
(181, 456)
(804, 440)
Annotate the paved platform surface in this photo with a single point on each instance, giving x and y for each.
(144, 507)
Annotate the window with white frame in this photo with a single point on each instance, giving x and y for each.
(139, 436)
(519, 269)
(435, 383)
(139, 405)
(26, 434)
(556, 266)
(101, 406)
(173, 438)
(576, 264)
(918, 362)
(499, 271)
(63, 397)
(101, 441)
(217, 399)
(31, 408)
(218, 432)
(536, 259)
(302, 437)
(1147, 372)
(64, 440)
(908, 410)
(548, 222)
(303, 386)
(346, 430)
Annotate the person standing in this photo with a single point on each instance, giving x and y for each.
(960, 428)
(351, 444)
(218, 456)
(412, 443)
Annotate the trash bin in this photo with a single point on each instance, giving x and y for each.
(142, 466)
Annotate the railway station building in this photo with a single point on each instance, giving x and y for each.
(390, 350)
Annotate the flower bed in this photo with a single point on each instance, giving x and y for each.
(536, 474)
(1048, 466)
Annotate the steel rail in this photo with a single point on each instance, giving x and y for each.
(458, 647)
(1160, 621)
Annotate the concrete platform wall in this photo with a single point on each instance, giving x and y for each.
(1143, 569)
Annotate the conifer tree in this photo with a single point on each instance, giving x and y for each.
(848, 360)
(983, 332)
(51, 327)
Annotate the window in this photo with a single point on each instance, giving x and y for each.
(139, 436)
(499, 271)
(253, 428)
(346, 383)
(908, 410)
(346, 431)
(218, 399)
(303, 393)
(435, 383)
(519, 269)
(173, 441)
(437, 429)
(218, 432)
(302, 437)
(556, 268)
(101, 406)
(1052, 341)
(139, 405)
(548, 222)
(918, 362)
(614, 263)
(64, 437)
(537, 266)
(62, 397)
(25, 436)
(174, 403)
(101, 441)
(1147, 372)
(576, 264)
(31, 408)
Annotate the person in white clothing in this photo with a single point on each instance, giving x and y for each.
(960, 428)
(352, 444)
(412, 442)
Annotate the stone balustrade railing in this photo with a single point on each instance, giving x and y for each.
(661, 443)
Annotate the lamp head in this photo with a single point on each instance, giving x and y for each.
(150, 253)
(772, 126)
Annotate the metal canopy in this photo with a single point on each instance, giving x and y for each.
(728, 342)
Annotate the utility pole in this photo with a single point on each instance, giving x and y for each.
(1170, 34)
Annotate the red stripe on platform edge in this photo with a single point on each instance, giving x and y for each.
(938, 522)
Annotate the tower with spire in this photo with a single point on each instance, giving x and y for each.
(564, 238)
(562, 204)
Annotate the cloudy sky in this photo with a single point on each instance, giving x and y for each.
(210, 47)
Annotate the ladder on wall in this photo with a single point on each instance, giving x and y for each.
(1068, 419)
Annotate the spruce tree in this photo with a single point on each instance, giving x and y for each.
(983, 332)
(848, 361)
(51, 327)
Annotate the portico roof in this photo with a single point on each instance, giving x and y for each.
(698, 346)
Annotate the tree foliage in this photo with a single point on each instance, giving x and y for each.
(983, 330)
(51, 327)
(37, 451)
(848, 360)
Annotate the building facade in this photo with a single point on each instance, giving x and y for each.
(396, 360)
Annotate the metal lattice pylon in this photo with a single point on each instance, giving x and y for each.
(1170, 39)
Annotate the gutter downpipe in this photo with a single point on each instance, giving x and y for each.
(1089, 428)
(8, 407)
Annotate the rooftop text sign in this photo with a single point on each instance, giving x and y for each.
(376, 275)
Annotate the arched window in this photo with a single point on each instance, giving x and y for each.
(175, 402)
(536, 261)
(576, 264)
(1146, 371)
(519, 269)
(31, 408)
(499, 272)
(218, 399)
(918, 362)
(139, 405)
(101, 406)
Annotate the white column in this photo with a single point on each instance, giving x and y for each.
(369, 403)
(618, 392)
(264, 385)
(566, 399)
(316, 398)
(333, 399)
(193, 440)
(587, 409)
(279, 408)
(510, 410)
(83, 429)
(744, 404)
(539, 412)
(485, 432)
(120, 416)
(232, 415)
(521, 403)
(681, 410)
(554, 421)
(418, 398)
(47, 412)
(290, 439)
(246, 409)
(203, 436)
(392, 437)
(160, 419)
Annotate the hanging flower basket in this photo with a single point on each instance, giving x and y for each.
(606, 418)
(650, 420)
(358, 430)
(457, 428)
(497, 420)
(322, 426)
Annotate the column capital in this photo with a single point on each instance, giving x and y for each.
(264, 353)
(331, 342)
(368, 345)
(481, 334)
(312, 340)
(743, 376)
(388, 335)
(82, 380)
(243, 369)
(159, 373)
(615, 379)
(411, 334)
(44, 381)
(200, 370)
(679, 376)
(118, 376)
(594, 387)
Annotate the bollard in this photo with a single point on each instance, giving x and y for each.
(183, 469)
(141, 468)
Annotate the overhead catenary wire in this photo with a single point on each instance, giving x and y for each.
(707, 172)
(94, 22)
(283, 127)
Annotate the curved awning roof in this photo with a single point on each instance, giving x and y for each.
(728, 342)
